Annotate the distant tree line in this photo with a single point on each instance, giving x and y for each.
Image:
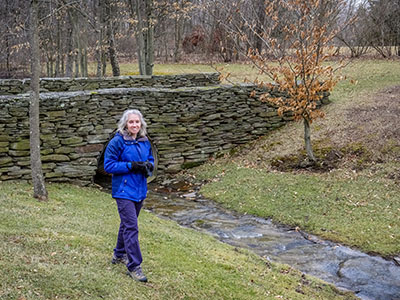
(376, 25)
(106, 32)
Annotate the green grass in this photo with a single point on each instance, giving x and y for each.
(368, 73)
(369, 76)
(353, 209)
(159, 69)
(61, 249)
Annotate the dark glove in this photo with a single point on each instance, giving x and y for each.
(138, 166)
(149, 169)
(144, 167)
(149, 166)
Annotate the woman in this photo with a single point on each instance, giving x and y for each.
(129, 159)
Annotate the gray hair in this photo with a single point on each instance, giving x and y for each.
(124, 119)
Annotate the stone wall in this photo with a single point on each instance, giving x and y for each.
(187, 125)
(17, 86)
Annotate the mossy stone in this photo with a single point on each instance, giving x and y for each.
(4, 138)
(56, 113)
(64, 150)
(21, 145)
(19, 153)
(72, 140)
(55, 157)
(5, 160)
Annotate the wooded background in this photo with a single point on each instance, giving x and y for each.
(74, 33)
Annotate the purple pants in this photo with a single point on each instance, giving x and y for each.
(128, 233)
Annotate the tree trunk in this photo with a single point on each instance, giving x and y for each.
(59, 50)
(260, 25)
(8, 55)
(140, 38)
(76, 59)
(70, 47)
(98, 8)
(8, 45)
(39, 188)
(98, 61)
(77, 44)
(85, 62)
(112, 53)
(48, 68)
(178, 37)
(307, 140)
(111, 50)
(149, 37)
(144, 34)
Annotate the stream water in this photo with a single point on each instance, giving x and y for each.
(370, 277)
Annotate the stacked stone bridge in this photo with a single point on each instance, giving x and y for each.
(190, 118)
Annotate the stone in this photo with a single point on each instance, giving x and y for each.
(97, 139)
(5, 161)
(47, 137)
(18, 153)
(19, 172)
(53, 143)
(46, 151)
(21, 145)
(55, 158)
(49, 165)
(4, 138)
(72, 140)
(56, 114)
(53, 175)
(212, 117)
(190, 195)
(191, 117)
(64, 150)
(268, 114)
(172, 155)
(89, 148)
(396, 259)
(173, 168)
(91, 86)
(86, 161)
(76, 170)
(86, 129)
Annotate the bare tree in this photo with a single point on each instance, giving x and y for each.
(14, 50)
(385, 25)
(356, 36)
(110, 13)
(39, 187)
(142, 13)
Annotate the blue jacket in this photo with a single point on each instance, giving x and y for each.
(119, 153)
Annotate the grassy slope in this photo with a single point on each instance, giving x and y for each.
(358, 208)
(61, 249)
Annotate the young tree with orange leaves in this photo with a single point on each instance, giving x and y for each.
(296, 42)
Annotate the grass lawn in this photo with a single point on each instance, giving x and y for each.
(61, 249)
(365, 182)
(357, 201)
(358, 210)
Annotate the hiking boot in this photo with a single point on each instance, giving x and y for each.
(137, 274)
(119, 260)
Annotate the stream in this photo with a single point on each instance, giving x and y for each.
(370, 277)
